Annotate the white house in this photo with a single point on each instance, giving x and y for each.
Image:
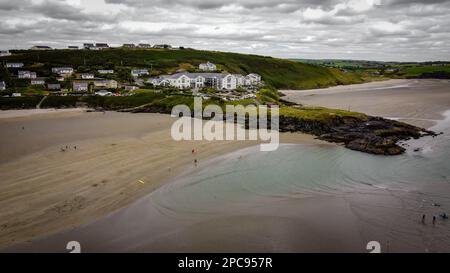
(253, 79)
(37, 81)
(86, 76)
(207, 66)
(144, 46)
(110, 84)
(16, 95)
(240, 80)
(66, 71)
(139, 72)
(197, 80)
(80, 86)
(105, 71)
(14, 65)
(40, 47)
(53, 86)
(26, 75)
(2, 85)
(4, 53)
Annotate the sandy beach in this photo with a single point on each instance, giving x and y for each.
(47, 187)
(418, 102)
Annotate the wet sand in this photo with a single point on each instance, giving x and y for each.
(418, 102)
(119, 157)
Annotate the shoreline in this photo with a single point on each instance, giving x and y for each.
(63, 190)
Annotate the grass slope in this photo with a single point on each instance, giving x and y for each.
(279, 73)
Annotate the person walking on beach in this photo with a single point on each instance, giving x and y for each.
(193, 151)
(195, 162)
(423, 219)
(434, 219)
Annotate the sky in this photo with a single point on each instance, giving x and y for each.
(385, 30)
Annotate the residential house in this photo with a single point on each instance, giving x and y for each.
(105, 71)
(144, 46)
(79, 86)
(53, 86)
(139, 72)
(197, 80)
(101, 45)
(16, 95)
(38, 81)
(88, 45)
(4, 53)
(73, 47)
(129, 46)
(2, 85)
(163, 46)
(109, 84)
(252, 79)
(130, 87)
(14, 65)
(40, 47)
(207, 66)
(86, 76)
(26, 75)
(63, 71)
(240, 80)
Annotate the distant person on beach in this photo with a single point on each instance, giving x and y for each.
(74, 147)
(423, 219)
(193, 151)
(195, 162)
(434, 219)
(23, 127)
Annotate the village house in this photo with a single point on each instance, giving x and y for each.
(109, 84)
(207, 66)
(163, 46)
(80, 86)
(4, 53)
(130, 87)
(14, 65)
(144, 46)
(219, 81)
(63, 71)
(38, 81)
(53, 86)
(16, 95)
(88, 45)
(139, 72)
(105, 71)
(128, 45)
(2, 85)
(101, 45)
(86, 76)
(26, 75)
(252, 79)
(40, 47)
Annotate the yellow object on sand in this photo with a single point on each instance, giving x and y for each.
(140, 181)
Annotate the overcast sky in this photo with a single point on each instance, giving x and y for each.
(400, 30)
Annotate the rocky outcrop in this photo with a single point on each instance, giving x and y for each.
(375, 135)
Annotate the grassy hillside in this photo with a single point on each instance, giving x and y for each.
(279, 73)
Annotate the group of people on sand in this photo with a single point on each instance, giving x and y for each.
(442, 216)
(67, 148)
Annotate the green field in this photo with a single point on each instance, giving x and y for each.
(278, 73)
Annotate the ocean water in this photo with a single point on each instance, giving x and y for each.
(302, 170)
